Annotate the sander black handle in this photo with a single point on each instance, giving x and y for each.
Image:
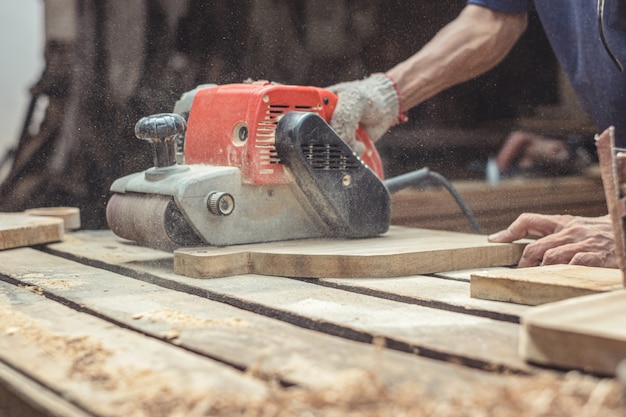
(347, 194)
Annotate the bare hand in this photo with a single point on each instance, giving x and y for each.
(562, 239)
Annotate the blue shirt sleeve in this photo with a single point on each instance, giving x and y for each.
(507, 6)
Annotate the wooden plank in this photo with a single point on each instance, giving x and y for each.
(543, 284)
(399, 252)
(465, 274)
(410, 328)
(102, 369)
(439, 293)
(70, 215)
(360, 392)
(272, 348)
(24, 397)
(447, 294)
(586, 333)
(19, 229)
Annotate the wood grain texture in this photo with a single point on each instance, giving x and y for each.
(408, 328)
(70, 215)
(103, 369)
(400, 252)
(19, 229)
(543, 284)
(447, 294)
(23, 397)
(244, 339)
(587, 333)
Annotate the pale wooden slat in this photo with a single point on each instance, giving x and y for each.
(438, 292)
(19, 229)
(447, 294)
(432, 332)
(465, 274)
(543, 284)
(399, 252)
(587, 333)
(103, 369)
(21, 396)
(232, 335)
(70, 215)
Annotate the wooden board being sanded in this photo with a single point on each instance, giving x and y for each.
(543, 284)
(587, 333)
(399, 252)
(20, 229)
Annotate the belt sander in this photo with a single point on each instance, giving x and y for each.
(247, 163)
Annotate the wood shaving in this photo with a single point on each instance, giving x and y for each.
(182, 319)
(550, 396)
(32, 288)
(354, 394)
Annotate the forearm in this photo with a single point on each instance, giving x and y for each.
(470, 45)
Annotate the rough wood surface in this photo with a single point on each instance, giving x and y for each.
(106, 250)
(448, 294)
(78, 313)
(247, 340)
(105, 370)
(70, 215)
(409, 328)
(24, 397)
(400, 252)
(587, 333)
(543, 284)
(19, 229)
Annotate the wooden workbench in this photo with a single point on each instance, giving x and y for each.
(95, 326)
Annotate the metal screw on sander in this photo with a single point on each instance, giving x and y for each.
(161, 130)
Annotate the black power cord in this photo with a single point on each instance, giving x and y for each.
(415, 177)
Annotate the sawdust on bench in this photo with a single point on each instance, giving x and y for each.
(364, 396)
(183, 319)
(134, 391)
(354, 394)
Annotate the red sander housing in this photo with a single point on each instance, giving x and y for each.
(247, 163)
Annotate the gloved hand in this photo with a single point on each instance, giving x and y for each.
(373, 102)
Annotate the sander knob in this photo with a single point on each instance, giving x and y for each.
(220, 204)
(162, 130)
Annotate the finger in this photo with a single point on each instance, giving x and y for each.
(558, 248)
(526, 225)
(531, 256)
(562, 254)
(585, 253)
(597, 259)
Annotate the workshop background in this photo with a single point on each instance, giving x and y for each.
(108, 63)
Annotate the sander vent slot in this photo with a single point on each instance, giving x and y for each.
(328, 157)
(266, 132)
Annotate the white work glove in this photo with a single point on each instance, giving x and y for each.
(373, 102)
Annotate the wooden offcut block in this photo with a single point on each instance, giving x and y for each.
(70, 215)
(543, 284)
(401, 251)
(586, 333)
(20, 229)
